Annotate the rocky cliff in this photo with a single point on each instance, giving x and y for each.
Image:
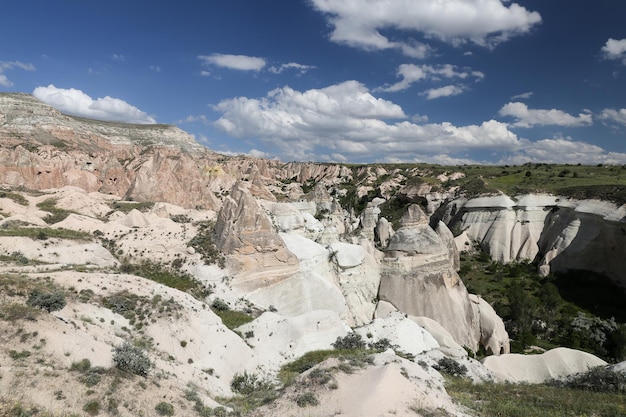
(558, 233)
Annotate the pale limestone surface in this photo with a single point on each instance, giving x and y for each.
(401, 331)
(392, 386)
(277, 339)
(557, 363)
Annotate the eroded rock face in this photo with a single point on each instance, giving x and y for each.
(561, 234)
(42, 148)
(419, 278)
(246, 233)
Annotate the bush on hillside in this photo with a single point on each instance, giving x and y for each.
(133, 359)
(49, 301)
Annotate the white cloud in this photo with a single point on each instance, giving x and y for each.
(7, 65)
(301, 68)
(156, 68)
(540, 117)
(75, 102)
(237, 62)
(347, 119)
(560, 150)
(445, 91)
(411, 73)
(522, 96)
(118, 57)
(615, 116)
(359, 23)
(615, 49)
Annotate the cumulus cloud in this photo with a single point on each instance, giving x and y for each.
(527, 117)
(77, 103)
(8, 65)
(346, 119)
(614, 116)
(615, 49)
(560, 150)
(359, 23)
(411, 73)
(237, 62)
(301, 68)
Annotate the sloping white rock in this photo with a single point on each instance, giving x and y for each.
(347, 255)
(553, 364)
(401, 331)
(300, 293)
(135, 218)
(277, 339)
(446, 342)
(391, 386)
(59, 251)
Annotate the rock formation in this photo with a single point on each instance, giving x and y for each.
(534, 369)
(560, 234)
(419, 278)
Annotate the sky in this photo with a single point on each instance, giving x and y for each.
(350, 81)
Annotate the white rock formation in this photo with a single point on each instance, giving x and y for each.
(562, 234)
(419, 278)
(277, 339)
(534, 369)
(401, 331)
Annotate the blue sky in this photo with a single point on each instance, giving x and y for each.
(443, 81)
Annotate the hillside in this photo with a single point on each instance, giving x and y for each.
(143, 274)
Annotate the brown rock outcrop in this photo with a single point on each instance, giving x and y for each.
(245, 232)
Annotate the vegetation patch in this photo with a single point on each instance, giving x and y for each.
(168, 277)
(204, 244)
(128, 206)
(254, 391)
(16, 197)
(43, 233)
(230, 318)
(492, 399)
(579, 310)
(48, 301)
(56, 214)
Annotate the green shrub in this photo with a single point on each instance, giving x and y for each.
(219, 305)
(164, 409)
(92, 407)
(352, 341)
(307, 399)
(133, 359)
(247, 384)
(81, 366)
(598, 379)
(49, 301)
(450, 367)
